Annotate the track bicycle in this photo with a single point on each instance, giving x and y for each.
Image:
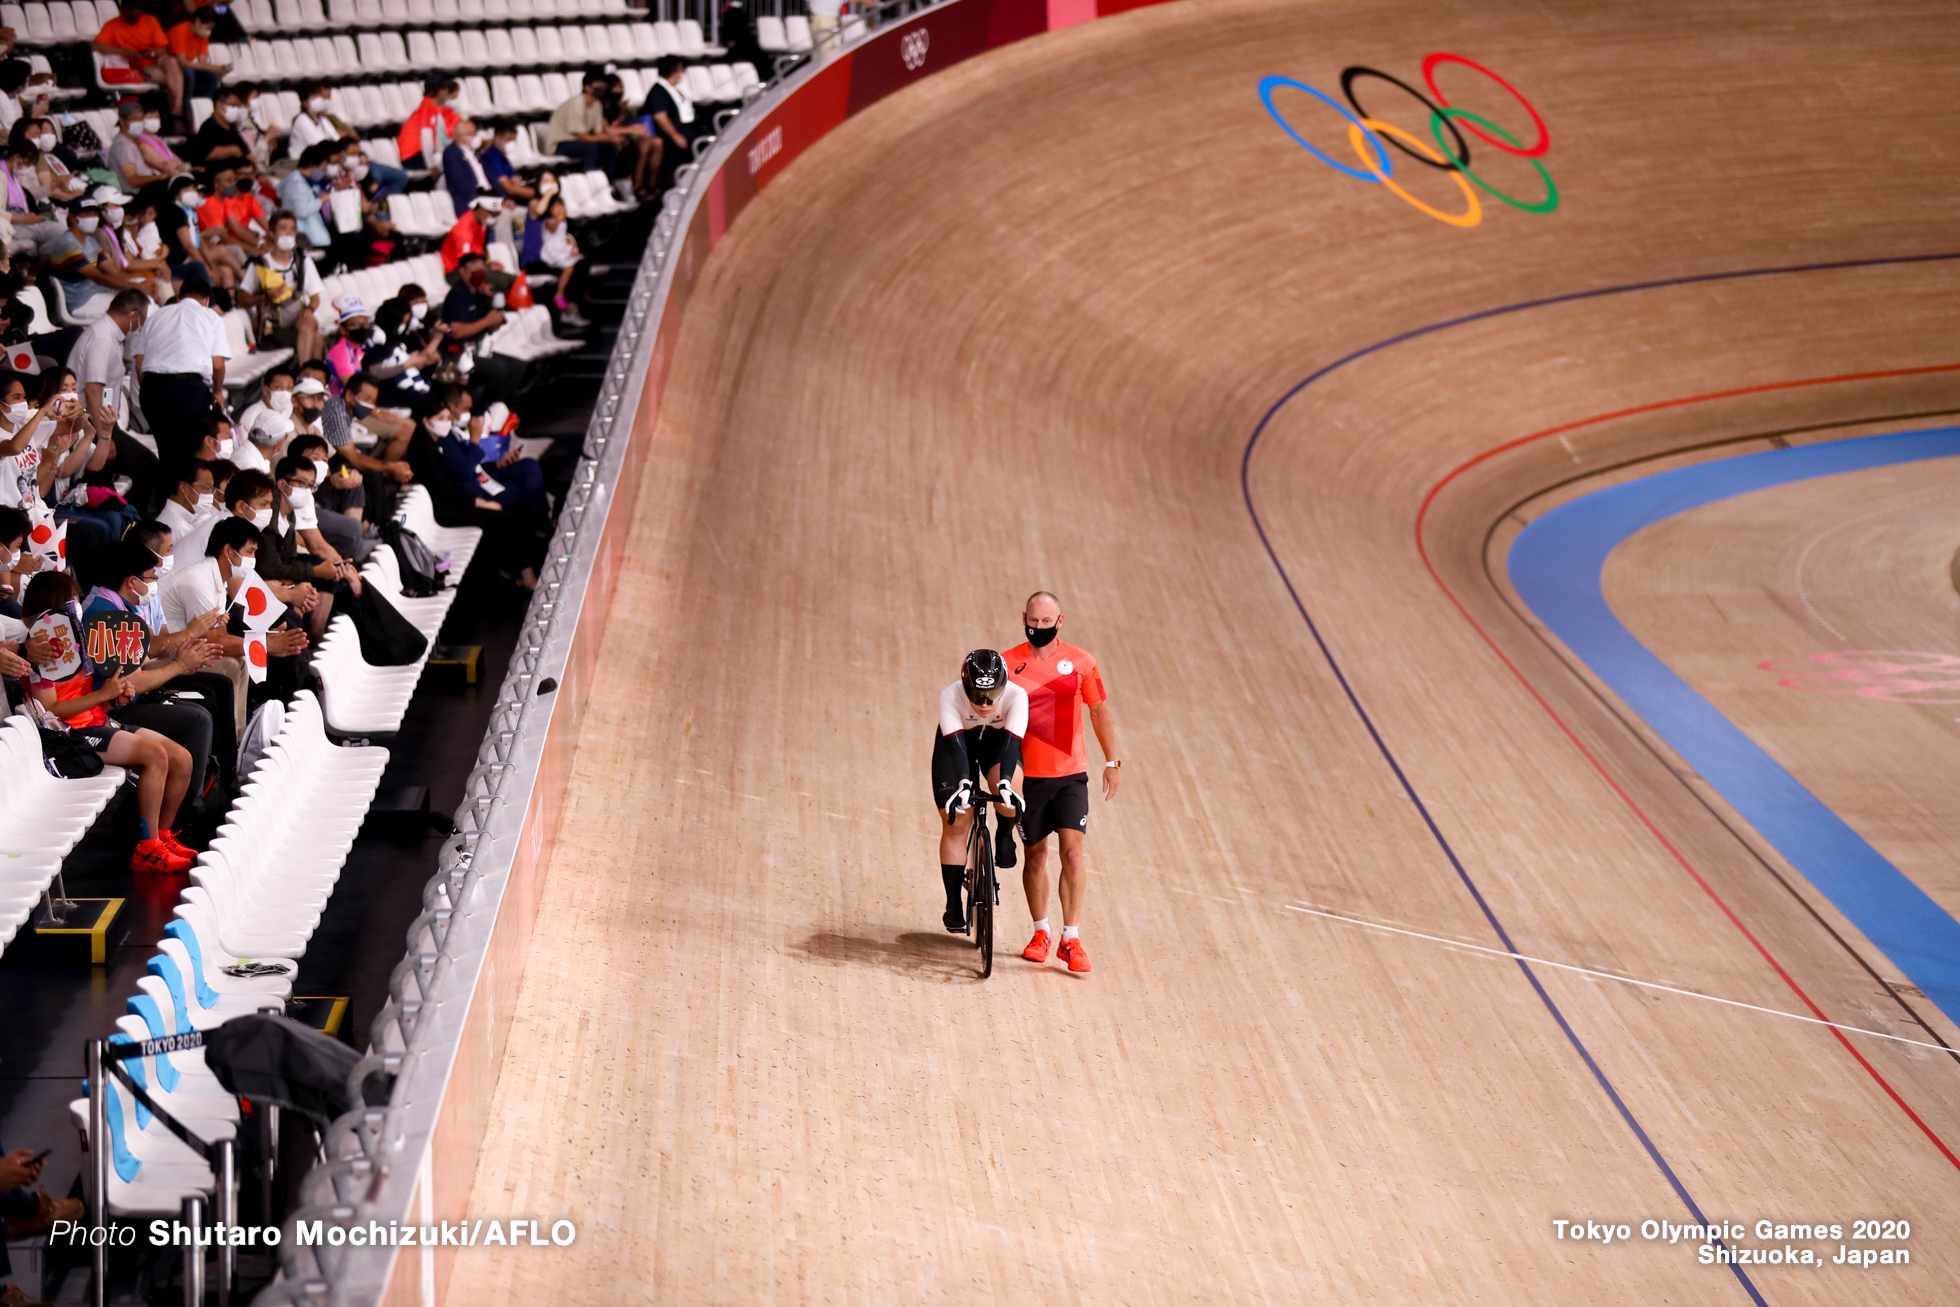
(982, 885)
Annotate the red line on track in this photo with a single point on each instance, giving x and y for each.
(1645, 820)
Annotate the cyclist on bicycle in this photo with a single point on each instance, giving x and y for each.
(982, 717)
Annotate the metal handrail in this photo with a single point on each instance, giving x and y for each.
(362, 1150)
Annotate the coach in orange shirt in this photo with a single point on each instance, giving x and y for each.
(1061, 680)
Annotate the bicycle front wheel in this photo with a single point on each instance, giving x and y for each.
(980, 909)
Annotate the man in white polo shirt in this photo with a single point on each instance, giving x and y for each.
(181, 353)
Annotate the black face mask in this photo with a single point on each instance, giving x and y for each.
(359, 409)
(1039, 636)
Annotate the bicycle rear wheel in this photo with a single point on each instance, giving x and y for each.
(980, 907)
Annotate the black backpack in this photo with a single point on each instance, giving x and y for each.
(420, 579)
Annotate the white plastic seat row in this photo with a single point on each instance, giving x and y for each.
(426, 613)
(248, 363)
(42, 818)
(57, 23)
(359, 698)
(417, 512)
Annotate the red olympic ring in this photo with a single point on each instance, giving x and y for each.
(1544, 136)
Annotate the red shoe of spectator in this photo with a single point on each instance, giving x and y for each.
(176, 845)
(155, 855)
(1074, 954)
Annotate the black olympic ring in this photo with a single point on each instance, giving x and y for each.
(1462, 160)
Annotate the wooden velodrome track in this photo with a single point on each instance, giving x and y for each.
(1014, 328)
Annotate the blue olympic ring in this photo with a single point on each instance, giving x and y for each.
(1266, 87)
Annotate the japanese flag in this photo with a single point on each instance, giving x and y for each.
(50, 541)
(22, 358)
(255, 656)
(262, 607)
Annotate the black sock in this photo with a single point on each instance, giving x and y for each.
(955, 877)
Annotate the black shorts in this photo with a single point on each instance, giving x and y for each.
(1054, 803)
(987, 743)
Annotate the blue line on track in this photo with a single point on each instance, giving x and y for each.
(1556, 562)
(1388, 755)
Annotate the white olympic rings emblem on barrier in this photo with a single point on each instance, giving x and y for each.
(912, 47)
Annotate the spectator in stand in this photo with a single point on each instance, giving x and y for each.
(218, 139)
(149, 276)
(84, 265)
(639, 153)
(180, 355)
(139, 156)
(471, 236)
(672, 113)
(315, 121)
(163, 767)
(275, 396)
(254, 497)
(377, 180)
(190, 42)
(223, 470)
(356, 334)
(262, 440)
(83, 486)
(504, 180)
(550, 251)
(298, 480)
(469, 314)
(16, 565)
(383, 471)
(463, 172)
(13, 80)
(139, 38)
(220, 689)
(343, 530)
(283, 286)
(232, 221)
(310, 395)
(34, 232)
(518, 482)
(433, 116)
(208, 582)
(260, 130)
(543, 193)
(402, 355)
(124, 577)
(192, 501)
(96, 362)
(52, 181)
(142, 245)
(177, 203)
(301, 194)
(578, 127)
(511, 537)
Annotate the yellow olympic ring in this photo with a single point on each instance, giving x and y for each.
(1358, 138)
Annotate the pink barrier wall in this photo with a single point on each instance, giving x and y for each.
(895, 58)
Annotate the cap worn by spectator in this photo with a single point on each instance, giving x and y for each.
(347, 306)
(312, 385)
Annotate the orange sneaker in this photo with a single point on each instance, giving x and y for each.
(155, 855)
(1074, 954)
(1037, 949)
(176, 845)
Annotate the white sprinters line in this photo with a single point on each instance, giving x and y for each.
(1607, 975)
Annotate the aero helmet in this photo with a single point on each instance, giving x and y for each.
(983, 675)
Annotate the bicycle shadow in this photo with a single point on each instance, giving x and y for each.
(919, 954)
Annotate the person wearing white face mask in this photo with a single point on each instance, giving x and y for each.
(138, 155)
(218, 140)
(283, 288)
(51, 181)
(296, 487)
(341, 532)
(208, 583)
(87, 265)
(191, 503)
(275, 396)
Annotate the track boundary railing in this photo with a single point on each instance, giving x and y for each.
(438, 1040)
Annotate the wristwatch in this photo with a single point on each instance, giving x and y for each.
(1108, 765)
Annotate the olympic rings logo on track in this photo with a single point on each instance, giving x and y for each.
(1451, 155)
(912, 47)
